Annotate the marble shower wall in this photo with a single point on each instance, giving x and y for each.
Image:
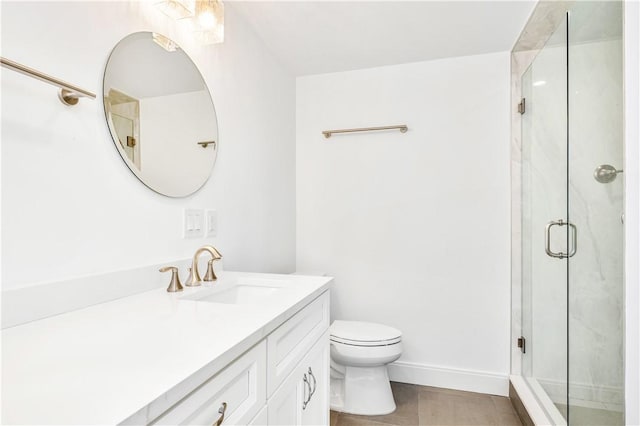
(596, 272)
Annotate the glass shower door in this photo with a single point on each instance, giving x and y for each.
(544, 230)
(595, 206)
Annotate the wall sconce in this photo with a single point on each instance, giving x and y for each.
(207, 17)
(209, 21)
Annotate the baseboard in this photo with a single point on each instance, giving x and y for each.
(466, 380)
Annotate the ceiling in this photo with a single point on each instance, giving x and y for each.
(315, 37)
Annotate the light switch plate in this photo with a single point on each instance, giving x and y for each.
(193, 223)
(212, 223)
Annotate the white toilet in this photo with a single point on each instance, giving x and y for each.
(360, 352)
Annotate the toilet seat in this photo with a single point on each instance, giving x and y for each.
(357, 333)
(360, 343)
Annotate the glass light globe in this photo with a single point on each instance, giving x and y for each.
(206, 19)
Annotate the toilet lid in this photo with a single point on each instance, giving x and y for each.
(364, 333)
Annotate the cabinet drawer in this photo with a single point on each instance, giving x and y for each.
(241, 385)
(289, 343)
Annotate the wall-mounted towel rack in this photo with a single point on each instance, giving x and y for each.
(402, 127)
(69, 94)
(207, 143)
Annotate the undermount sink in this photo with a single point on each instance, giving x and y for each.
(242, 293)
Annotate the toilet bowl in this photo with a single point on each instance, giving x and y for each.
(360, 352)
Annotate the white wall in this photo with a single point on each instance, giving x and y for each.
(71, 207)
(414, 227)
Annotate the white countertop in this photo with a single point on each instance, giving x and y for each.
(129, 359)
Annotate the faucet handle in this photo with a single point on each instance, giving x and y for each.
(174, 285)
(210, 275)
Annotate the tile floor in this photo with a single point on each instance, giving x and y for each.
(423, 405)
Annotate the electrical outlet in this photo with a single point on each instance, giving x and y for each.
(212, 223)
(193, 223)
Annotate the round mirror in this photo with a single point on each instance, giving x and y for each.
(160, 114)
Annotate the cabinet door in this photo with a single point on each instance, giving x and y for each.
(285, 406)
(303, 397)
(316, 411)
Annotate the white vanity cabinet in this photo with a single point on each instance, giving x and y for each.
(282, 380)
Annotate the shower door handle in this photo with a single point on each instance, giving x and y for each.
(574, 239)
(547, 239)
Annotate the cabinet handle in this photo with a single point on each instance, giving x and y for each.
(221, 411)
(314, 383)
(306, 399)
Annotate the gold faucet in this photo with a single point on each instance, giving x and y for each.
(194, 276)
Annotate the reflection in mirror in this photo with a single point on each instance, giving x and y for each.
(124, 112)
(160, 114)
